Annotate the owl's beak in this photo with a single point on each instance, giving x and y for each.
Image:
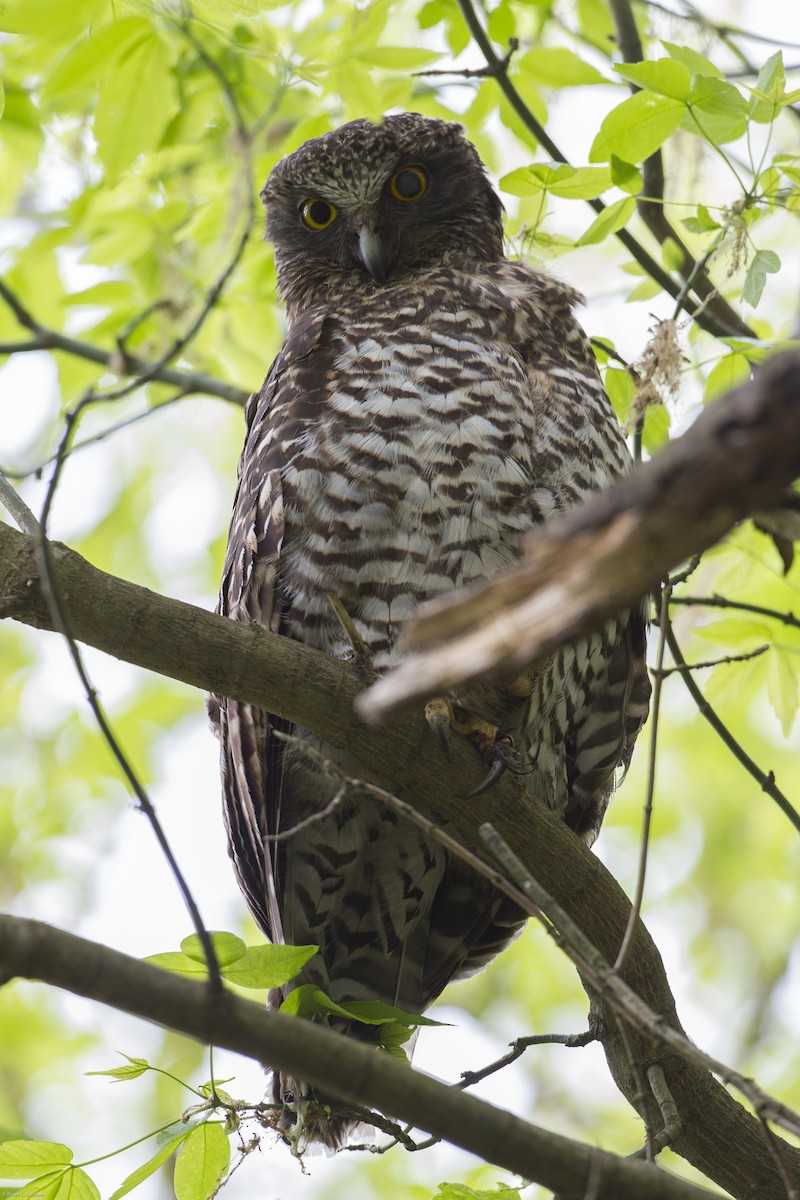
(372, 253)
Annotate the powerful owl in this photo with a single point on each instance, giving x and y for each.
(432, 403)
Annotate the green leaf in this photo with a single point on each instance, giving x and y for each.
(23, 1159)
(645, 290)
(372, 1012)
(228, 947)
(608, 221)
(557, 67)
(636, 128)
(268, 966)
(697, 64)
(94, 58)
(665, 76)
(574, 183)
(182, 1128)
(147, 1169)
(672, 256)
(393, 1037)
(74, 1184)
(135, 1068)
(621, 391)
(703, 222)
(765, 262)
(768, 95)
(735, 633)
(136, 104)
(57, 23)
(310, 1001)
(716, 110)
(626, 176)
(181, 964)
(203, 1161)
(783, 679)
(460, 1191)
(2, 98)
(655, 430)
(728, 373)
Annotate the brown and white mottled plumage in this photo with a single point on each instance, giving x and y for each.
(432, 403)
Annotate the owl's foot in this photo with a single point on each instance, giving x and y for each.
(495, 745)
(501, 754)
(440, 718)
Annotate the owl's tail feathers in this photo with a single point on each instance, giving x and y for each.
(307, 1118)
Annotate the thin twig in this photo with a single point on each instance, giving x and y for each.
(666, 1103)
(655, 711)
(120, 364)
(182, 341)
(11, 499)
(777, 1152)
(765, 781)
(593, 965)
(61, 622)
(716, 601)
(518, 1048)
(712, 662)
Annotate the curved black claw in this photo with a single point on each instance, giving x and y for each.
(503, 757)
(496, 772)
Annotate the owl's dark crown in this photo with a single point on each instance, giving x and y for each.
(379, 203)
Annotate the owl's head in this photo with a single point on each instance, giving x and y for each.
(379, 202)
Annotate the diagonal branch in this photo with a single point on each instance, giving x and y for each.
(329, 1061)
(304, 686)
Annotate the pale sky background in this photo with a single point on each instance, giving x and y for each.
(129, 889)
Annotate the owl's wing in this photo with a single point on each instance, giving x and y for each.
(252, 759)
(581, 449)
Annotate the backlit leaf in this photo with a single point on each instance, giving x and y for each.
(636, 128)
(203, 1161)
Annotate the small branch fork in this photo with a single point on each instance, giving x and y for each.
(114, 360)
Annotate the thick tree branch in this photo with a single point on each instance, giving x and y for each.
(605, 554)
(335, 1064)
(304, 686)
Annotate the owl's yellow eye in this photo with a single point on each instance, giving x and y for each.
(409, 183)
(318, 214)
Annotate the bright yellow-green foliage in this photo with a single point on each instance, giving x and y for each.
(134, 140)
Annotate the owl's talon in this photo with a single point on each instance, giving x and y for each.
(439, 715)
(503, 756)
(496, 771)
